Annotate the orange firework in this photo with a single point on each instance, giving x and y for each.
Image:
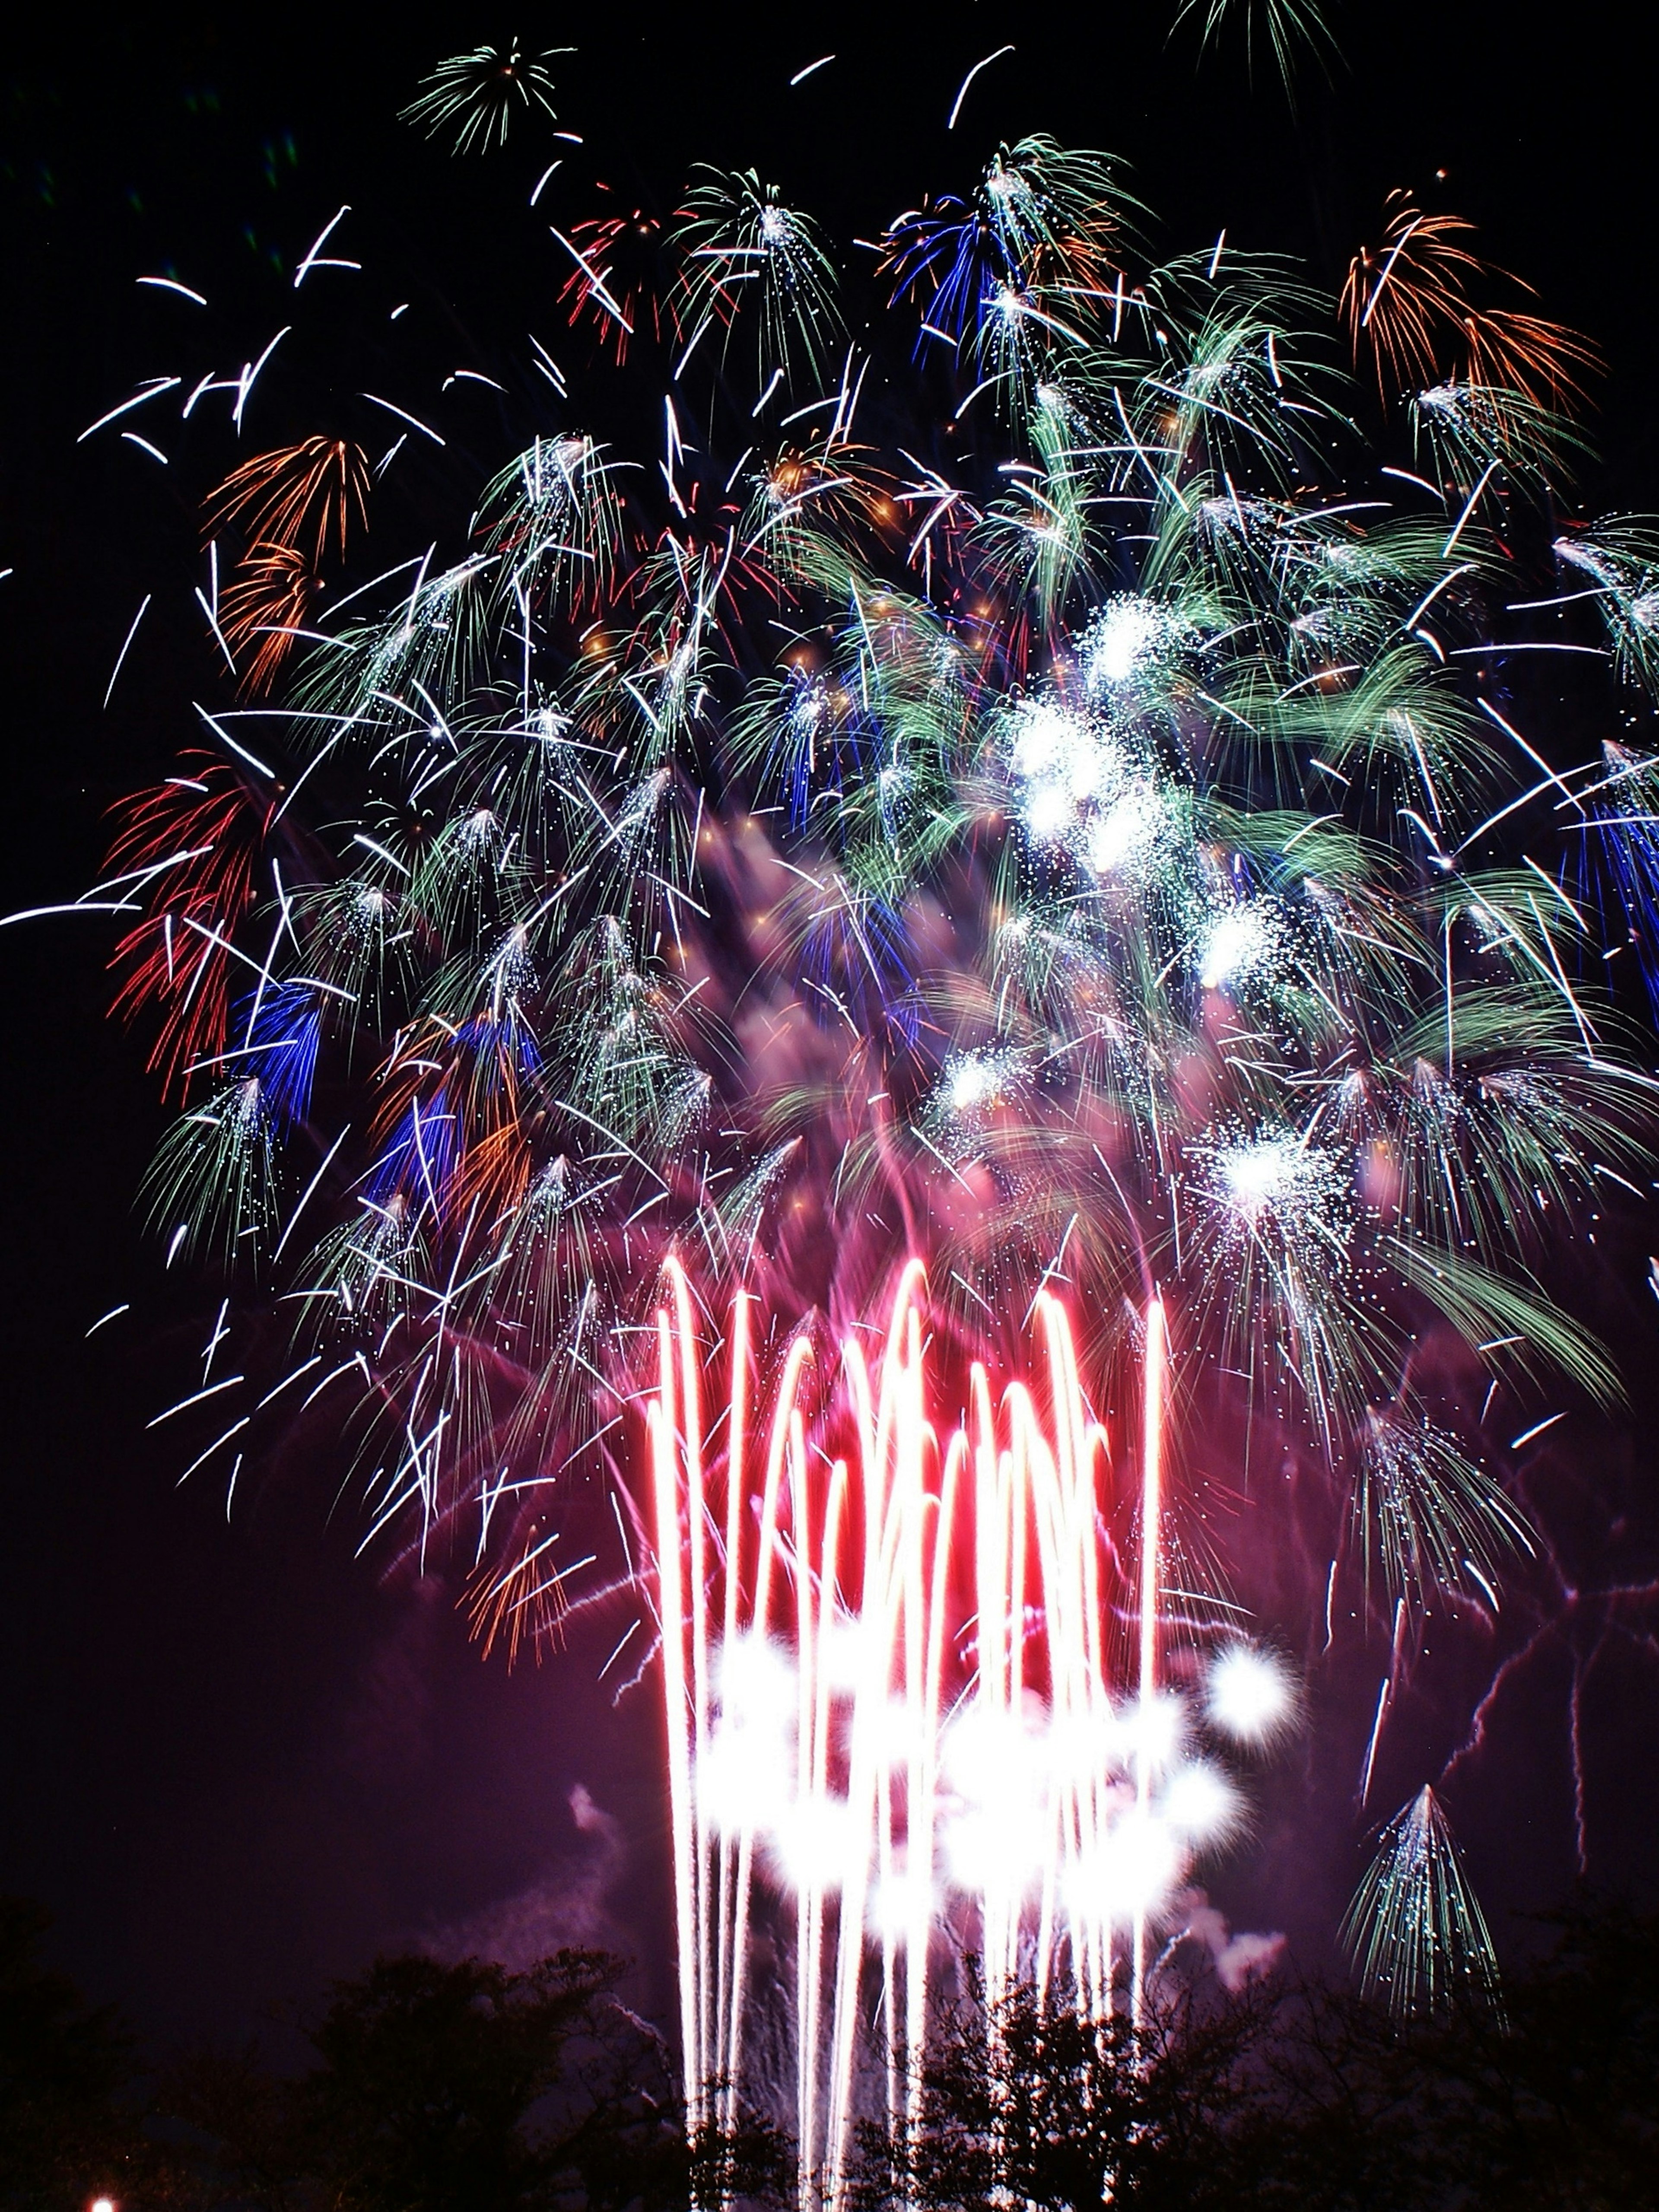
(267, 600)
(297, 496)
(1406, 308)
(291, 502)
(1527, 354)
(1401, 296)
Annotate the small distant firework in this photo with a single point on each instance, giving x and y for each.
(475, 96)
(1283, 25)
(1415, 1930)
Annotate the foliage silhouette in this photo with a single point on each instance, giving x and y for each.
(68, 2126)
(1305, 2098)
(466, 2088)
(437, 2087)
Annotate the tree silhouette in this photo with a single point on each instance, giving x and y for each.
(1058, 2111)
(1299, 2098)
(466, 2087)
(439, 2087)
(68, 2127)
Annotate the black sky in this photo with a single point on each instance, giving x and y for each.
(231, 1759)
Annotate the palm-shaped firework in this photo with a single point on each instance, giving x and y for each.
(1096, 863)
(473, 97)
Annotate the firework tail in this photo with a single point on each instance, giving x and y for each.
(1151, 1471)
(870, 1541)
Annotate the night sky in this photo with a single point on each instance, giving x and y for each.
(235, 1760)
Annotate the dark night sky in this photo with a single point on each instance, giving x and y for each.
(232, 1761)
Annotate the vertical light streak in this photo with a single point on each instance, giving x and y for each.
(736, 1411)
(931, 1727)
(1151, 1506)
(1370, 1748)
(665, 1467)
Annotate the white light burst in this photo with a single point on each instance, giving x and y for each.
(1278, 1178)
(1248, 1694)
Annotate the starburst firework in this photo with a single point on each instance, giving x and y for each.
(1088, 871)
(474, 96)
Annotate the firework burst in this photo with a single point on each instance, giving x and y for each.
(1415, 1930)
(1283, 27)
(1407, 307)
(1090, 871)
(474, 97)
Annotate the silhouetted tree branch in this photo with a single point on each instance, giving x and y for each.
(70, 2121)
(466, 2087)
(438, 2087)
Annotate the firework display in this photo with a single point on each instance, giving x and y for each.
(1415, 1924)
(923, 1738)
(992, 902)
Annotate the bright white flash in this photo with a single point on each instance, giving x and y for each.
(1128, 832)
(1119, 639)
(1265, 1175)
(989, 1755)
(758, 1684)
(1050, 811)
(897, 1901)
(1150, 1730)
(1054, 746)
(972, 1080)
(1086, 785)
(1237, 944)
(1057, 756)
(816, 1843)
(745, 1781)
(1200, 1803)
(1132, 1870)
(997, 1847)
(1248, 1694)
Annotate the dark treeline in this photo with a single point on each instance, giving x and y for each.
(432, 2086)
(436, 2086)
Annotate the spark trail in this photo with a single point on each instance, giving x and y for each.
(894, 1688)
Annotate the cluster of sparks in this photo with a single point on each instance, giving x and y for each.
(1085, 838)
(915, 1680)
